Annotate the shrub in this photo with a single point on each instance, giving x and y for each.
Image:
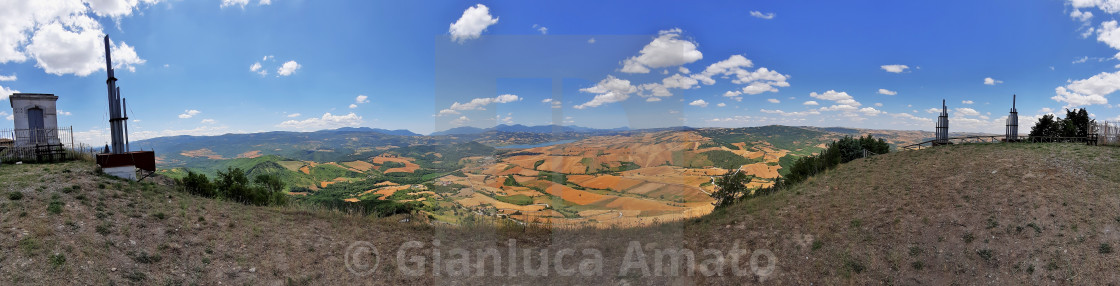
(55, 207)
(234, 184)
(15, 196)
(841, 151)
(57, 260)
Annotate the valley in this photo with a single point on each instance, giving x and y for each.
(604, 178)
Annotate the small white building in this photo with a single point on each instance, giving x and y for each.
(36, 122)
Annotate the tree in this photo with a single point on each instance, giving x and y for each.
(1046, 127)
(731, 188)
(1076, 124)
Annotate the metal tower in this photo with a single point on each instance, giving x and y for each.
(942, 132)
(118, 121)
(1012, 123)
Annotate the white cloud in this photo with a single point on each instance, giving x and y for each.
(811, 103)
(887, 92)
(209, 121)
(8, 77)
(352, 106)
(327, 121)
(231, 3)
(460, 121)
(1088, 91)
(6, 92)
(470, 26)
(66, 113)
(967, 111)
(894, 68)
(878, 104)
(699, 102)
(70, 44)
(1081, 60)
(992, 81)
(361, 99)
(189, 113)
(933, 110)
(870, 111)
(265, 2)
(591, 41)
(542, 29)
(721, 104)
(608, 90)
(757, 82)
(774, 100)
(1108, 6)
(288, 68)
(666, 50)
(256, 67)
(293, 115)
(797, 113)
(115, 8)
(966, 101)
(761, 15)
(912, 117)
(478, 104)
(1081, 16)
(683, 70)
(839, 97)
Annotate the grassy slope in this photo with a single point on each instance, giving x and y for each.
(885, 213)
(877, 216)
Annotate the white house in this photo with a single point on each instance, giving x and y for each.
(35, 119)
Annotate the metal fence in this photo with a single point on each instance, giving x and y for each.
(1108, 133)
(47, 144)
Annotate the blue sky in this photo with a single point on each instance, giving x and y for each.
(212, 67)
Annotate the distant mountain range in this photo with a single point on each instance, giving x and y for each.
(398, 132)
(465, 130)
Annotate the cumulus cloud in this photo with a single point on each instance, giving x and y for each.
(231, 3)
(1088, 91)
(542, 29)
(884, 91)
(353, 106)
(470, 26)
(189, 113)
(8, 77)
(608, 90)
(760, 15)
(721, 104)
(699, 102)
(6, 92)
(462, 120)
(288, 68)
(992, 81)
(1081, 16)
(774, 100)
(894, 68)
(478, 104)
(256, 67)
(967, 111)
(293, 115)
(734, 67)
(666, 50)
(327, 121)
(361, 99)
(840, 98)
(966, 101)
(811, 103)
(209, 121)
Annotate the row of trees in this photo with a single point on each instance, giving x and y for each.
(1076, 124)
(234, 185)
(733, 187)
